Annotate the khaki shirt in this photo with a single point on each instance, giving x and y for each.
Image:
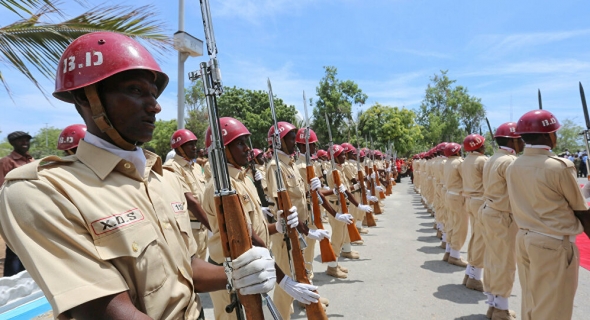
(293, 183)
(190, 176)
(207, 170)
(262, 169)
(97, 228)
(255, 218)
(472, 173)
(439, 168)
(302, 169)
(452, 175)
(350, 172)
(544, 193)
(494, 180)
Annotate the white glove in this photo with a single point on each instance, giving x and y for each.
(356, 186)
(327, 188)
(586, 190)
(373, 176)
(302, 292)
(340, 188)
(267, 211)
(315, 183)
(258, 176)
(292, 219)
(388, 169)
(346, 218)
(392, 179)
(379, 188)
(254, 271)
(373, 199)
(318, 234)
(325, 172)
(365, 208)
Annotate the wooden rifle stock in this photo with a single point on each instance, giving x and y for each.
(235, 240)
(313, 310)
(377, 181)
(388, 190)
(327, 252)
(353, 232)
(376, 207)
(369, 215)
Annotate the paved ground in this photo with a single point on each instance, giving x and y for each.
(401, 275)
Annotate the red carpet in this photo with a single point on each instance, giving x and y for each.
(584, 246)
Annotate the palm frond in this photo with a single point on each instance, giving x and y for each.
(30, 43)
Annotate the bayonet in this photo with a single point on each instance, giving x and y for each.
(587, 131)
(540, 100)
(491, 134)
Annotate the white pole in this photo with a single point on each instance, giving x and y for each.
(181, 59)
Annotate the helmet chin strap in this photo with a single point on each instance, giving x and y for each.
(230, 158)
(102, 122)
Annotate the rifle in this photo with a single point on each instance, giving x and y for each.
(361, 180)
(586, 132)
(540, 101)
(377, 180)
(327, 252)
(491, 134)
(389, 175)
(353, 232)
(233, 230)
(369, 171)
(258, 184)
(313, 310)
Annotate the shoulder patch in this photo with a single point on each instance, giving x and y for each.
(565, 161)
(30, 170)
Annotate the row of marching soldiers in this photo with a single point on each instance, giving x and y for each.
(249, 167)
(522, 210)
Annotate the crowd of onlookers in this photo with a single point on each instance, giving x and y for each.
(579, 159)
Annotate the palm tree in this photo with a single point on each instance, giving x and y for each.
(31, 44)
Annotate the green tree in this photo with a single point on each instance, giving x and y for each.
(252, 108)
(336, 98)
(448, 112)
(568, 137)
(197, 119)
(161, 138)
(44, 143)
(34, 43)
(385, 124)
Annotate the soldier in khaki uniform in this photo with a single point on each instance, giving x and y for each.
(439, 191)
(296, 188)
(545, 199)
(499, 226)
(472, 173)
(109, 217)
(457, 219)
(235, 138)
(183, 164)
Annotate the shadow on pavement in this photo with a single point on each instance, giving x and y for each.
(440, 266)
(425, 216)
(429, 239)
(426, 230)
(473, 317)
(459, 294)
(431, 250)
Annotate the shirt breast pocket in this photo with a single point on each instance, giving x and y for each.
(184, 225)
(136, 254)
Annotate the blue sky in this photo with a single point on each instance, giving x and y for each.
(502, 51)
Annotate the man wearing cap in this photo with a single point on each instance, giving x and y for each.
(190, 174)
(20, 142)
(106, 233)
(546, 202)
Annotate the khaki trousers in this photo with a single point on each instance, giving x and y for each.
(500, 254)
(476, 247)
(339, 233)
(548, 272)
(281, 299)
(309, 252)
(458, 219)
(440, 207)
(200, 236)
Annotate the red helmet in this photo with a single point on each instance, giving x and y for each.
(284, 128)
(452, 148)
(473, 142)
(506, 130)
(180, 137)
(322, 153)
(440, 147)
(256, 152)
(230, 130)
(362, 153)
(337, 149)
(537, 121)
(348, 147)
(313, 138)
(70, 137)
(96, 56)
(378, 153)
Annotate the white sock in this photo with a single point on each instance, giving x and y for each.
(477, 273)
(448, 249)
(346, 247)
(455, 253)
(333, 264)
(500, 303)
(359, 224)
(444, 237)
(468, 270)
(490, 300)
